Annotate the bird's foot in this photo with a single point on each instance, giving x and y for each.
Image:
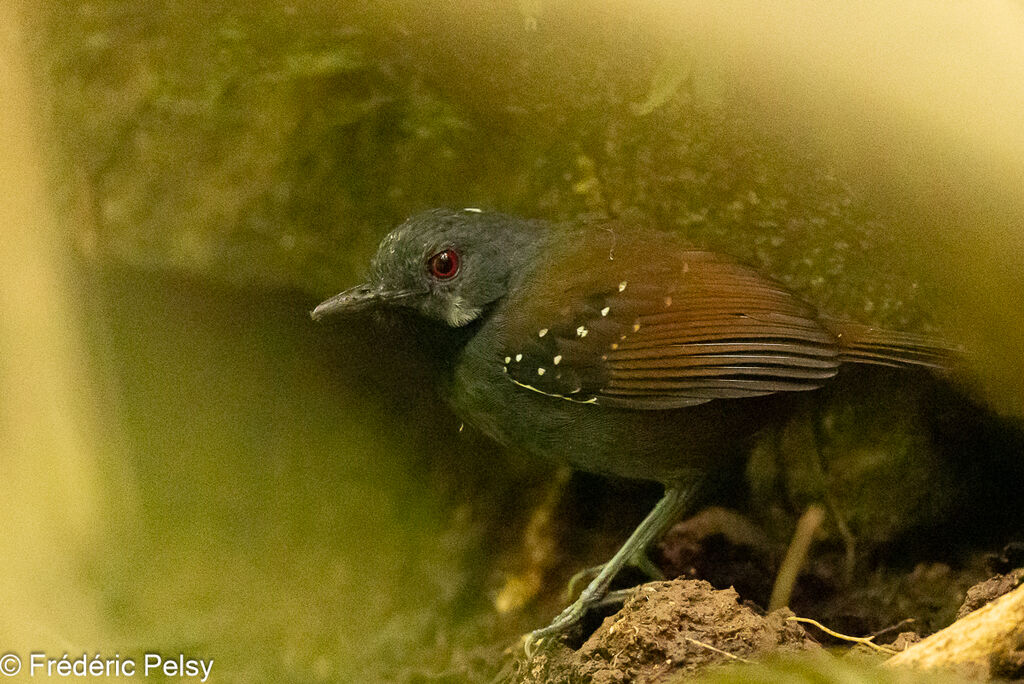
(641, 562)
(572, 615)
(565, 620)
(666, 510)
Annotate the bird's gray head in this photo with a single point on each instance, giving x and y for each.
(448, 265)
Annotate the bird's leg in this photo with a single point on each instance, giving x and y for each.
(664, 513)
(641, 561)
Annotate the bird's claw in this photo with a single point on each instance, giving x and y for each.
(664, 512)
(641, 562)
(566, 619)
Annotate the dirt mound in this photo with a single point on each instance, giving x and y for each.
(667, 628)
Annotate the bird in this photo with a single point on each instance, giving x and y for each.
(615, 349)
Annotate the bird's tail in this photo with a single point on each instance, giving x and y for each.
(864, 344)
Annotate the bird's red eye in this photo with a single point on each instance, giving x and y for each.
(444, 265)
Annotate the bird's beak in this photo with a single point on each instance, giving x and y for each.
(356, 299)
(352, 300)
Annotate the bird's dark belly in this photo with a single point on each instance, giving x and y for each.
(662, 445)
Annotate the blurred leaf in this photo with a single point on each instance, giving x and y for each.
(320, 64)
(819, 669)
(665, 83)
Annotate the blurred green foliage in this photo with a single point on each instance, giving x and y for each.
(277, 521)
(820, 669)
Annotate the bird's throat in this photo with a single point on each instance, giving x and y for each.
(440, 344)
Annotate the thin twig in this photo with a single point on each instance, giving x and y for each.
(867, 641)
(905, 622)
(716, 650)
(796, 556)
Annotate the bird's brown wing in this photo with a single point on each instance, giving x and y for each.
(629, 323)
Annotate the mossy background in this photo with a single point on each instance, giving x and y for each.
(274, 145)
(292, 500)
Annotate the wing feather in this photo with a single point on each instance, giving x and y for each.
(656, 328)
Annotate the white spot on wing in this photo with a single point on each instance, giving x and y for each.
(542, 332)
(508, 359)
(581, 331)
(473, 210)
(557, 360)
(591, 400)
(519, 357)
(541, 371)
(605, 310)
(622, 286)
